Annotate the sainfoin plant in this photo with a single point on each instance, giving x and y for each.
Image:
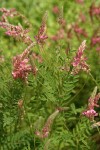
(42, 105)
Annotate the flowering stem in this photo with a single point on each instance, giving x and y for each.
(25, 108)
(94, 80)
(30, 46)
(46, 146)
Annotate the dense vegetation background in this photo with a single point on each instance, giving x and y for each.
(53, 87)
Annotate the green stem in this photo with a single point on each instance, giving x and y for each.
(94, 80)
(25, 96)
(77, 93)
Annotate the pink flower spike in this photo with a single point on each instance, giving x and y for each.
(79, 62)
(41, 36)
(92, 103)
(21, 68)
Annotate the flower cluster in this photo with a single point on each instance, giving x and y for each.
(41, 36)
(92, 102)
(94, 11)
(79, 31)
(95, 40)
(79, 62)
(12, 12)
(59, 35)
(90, 113)
(47, 127)
(55, 10)
(17, 32)
(22, 67)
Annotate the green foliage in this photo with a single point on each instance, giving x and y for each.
(25, 107)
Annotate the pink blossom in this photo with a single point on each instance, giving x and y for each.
(4, 25)
(92, 103)
(80, 31)
(41, 36)
(17, 32)
(95, 40)
(12, 12)
(23, 65)
(98, 49)
(55, 10)
(21, 68)
(90, 113)
(94, 11)
(96, 99)
(79, 62)
(14, 31)
(8, 12)
(59, 35)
